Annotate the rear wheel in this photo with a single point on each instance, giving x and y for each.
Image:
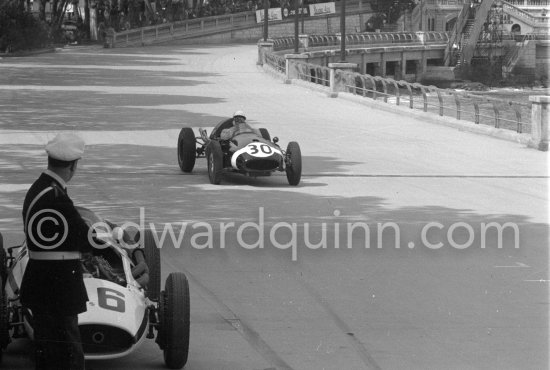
(174, 321)
(293, 163)
(3, 261)
(265, 134)
(152, 257)
(4, 320)
(215, 162)
(187, 152)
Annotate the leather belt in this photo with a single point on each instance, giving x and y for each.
(54, 256)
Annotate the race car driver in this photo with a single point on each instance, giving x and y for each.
(53, 287)
(239, 126)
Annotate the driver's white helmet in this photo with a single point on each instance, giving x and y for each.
(239, 113)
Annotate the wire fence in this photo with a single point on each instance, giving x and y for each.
(499, 113)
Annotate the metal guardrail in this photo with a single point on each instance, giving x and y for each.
(479, 109)
(277, 62)
(444, 102)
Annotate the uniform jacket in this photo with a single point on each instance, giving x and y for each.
(53, 286)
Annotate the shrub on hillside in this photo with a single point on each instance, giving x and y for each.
(19, 30)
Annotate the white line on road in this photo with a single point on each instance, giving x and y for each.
(518, 264)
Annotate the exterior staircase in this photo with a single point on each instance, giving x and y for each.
(512, 56)
(463, 41)
(453, 49)
(469, 46)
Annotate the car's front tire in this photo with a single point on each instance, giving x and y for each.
(175, 320)
(214, 157)
(293, 163)
(187, 151)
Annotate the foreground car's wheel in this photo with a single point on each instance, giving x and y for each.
(215, 162)
(4, 320)
(186, 149)
(3, 261)
(152, 257)
(265, 134)
(174, 321)
(293, 163)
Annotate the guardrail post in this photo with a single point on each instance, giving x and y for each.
(110, 38)
(264, 47)
(539, 122)
(337, 82)
(292, 71)
(304, 41)
(421, 36)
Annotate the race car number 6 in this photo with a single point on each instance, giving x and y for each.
(259, 150)
(110, 299)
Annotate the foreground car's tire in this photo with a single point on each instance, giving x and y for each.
(4, 320)
(152, 257)
(3, 262)
(187, 153)
(293, 163)
(174, 321)
(214, 157)
(265, 134)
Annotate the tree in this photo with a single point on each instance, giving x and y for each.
(19, 30)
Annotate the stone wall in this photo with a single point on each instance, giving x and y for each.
(312, 25)
(526, 63)
(542, 67)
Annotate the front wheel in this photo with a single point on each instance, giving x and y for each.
(187, 152)
(293, 163)
(215, 162)
(175, 320)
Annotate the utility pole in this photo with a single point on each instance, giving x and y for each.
(343, 31)
(266, 15)
(296, 24)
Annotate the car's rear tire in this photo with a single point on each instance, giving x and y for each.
(152, 257)
(3, 261)
(187, 150)
(4, 320)
(293, 163)
(175, 320)
(265, 134)
(214, 157)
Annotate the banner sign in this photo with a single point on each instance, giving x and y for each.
(289, 12)
(273, 14)
(322, 9)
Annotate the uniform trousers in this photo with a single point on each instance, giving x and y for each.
(58, 343)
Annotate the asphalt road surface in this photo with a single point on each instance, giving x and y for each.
(286, 277)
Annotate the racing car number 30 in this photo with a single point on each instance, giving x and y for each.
(260, 150)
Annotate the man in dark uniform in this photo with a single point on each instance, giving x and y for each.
(53, 287)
